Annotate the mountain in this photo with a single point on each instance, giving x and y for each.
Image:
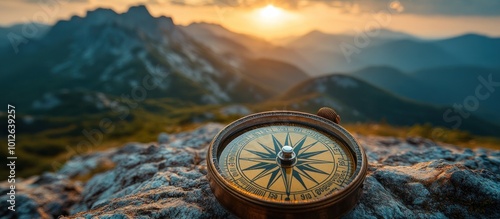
(395, 81)
(473, 49)
(105, 60)
(393, 35)
(386, 77)
(317, 39)
(222, 40)
(359, 101)
(318, 53)
(131, 54)
(348, 52)
(233, 46)
(458, 84)
(327, 52)
(443, 86)
(408, 55)
(322, 51)
(274, 75)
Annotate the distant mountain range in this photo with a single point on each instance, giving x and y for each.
(89, 64)
(434, 72)
(359, 101)
(117, 54)
(231, 45)
(322, 53)
(443, 86)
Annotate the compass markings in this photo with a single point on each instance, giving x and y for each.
(313, 161)
(266, 163)
(277, 145)
(258, 153)
(266, 148)
(273, 179)
(307, 147)
(306, 175)
(311, 154)
(296, 174)
(297, 148)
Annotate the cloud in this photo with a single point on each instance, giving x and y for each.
(422, 7)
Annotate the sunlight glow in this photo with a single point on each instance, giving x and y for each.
(271, 21)
(270, 13)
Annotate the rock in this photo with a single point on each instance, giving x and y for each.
(418, 141)
(163, 138)
(414, 178)
(47, 196)
(235, 110)
(388, 141)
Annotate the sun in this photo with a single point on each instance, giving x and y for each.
(273, 20)
(270, 12)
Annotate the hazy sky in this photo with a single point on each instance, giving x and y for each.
(429, 18)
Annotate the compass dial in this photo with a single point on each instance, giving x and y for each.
(285, 164)
(251, 162)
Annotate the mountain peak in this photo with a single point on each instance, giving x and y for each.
(101, 11)
(140, 18)
(316, 33)
(100, 15)
(139, 15)
(385, 33)
(472, 36)
(203, 23)
(139, 10)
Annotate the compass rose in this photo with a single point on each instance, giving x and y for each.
(267, 163)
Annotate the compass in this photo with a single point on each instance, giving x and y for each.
(286, 164)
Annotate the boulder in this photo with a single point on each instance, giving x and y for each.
(407, 178)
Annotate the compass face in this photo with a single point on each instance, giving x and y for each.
(321, 164)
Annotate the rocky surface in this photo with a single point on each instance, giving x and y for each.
(407, 178)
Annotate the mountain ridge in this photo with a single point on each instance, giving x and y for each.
(119, 53)
(112, 53)
(359, 101)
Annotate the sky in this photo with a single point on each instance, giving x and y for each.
(279, 19)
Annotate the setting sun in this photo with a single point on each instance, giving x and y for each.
(270, 12)
(272, 21)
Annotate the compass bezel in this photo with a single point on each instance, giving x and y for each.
(245, 205)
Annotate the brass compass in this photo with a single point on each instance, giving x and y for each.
(286, 164)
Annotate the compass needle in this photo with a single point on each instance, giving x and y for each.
(288, 140)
